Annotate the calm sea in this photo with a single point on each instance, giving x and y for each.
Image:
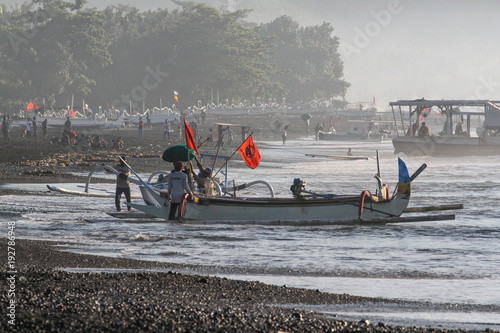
(452, 262)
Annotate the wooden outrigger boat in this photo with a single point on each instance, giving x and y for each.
(303, 207)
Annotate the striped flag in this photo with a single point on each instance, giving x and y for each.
(176, 94)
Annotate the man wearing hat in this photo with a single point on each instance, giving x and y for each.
(177, 187)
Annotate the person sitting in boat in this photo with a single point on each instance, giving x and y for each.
(177, 188)
(458, 129)
(424, 131)
(162, 179)
(413, 129)
(204, 179)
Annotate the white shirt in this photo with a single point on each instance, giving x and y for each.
(177, 184)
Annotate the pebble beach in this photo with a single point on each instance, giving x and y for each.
(51, 299)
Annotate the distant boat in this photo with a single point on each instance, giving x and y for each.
(452, 140)
(367, 136)
(361, 130)
(76, 123)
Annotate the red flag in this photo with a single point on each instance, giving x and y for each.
(72, 113)
(29, 107)
(249, 153)
(190, 138)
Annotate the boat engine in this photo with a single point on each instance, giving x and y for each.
(298, 187)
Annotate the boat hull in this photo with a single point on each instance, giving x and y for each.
(446, 146)
(286, 209)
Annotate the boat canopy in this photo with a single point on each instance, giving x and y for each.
(449, 108)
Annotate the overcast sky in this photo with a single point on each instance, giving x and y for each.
(394, 49)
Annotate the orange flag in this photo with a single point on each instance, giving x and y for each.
(249, 153)
(190, 138)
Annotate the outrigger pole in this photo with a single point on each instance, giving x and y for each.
(379, 177)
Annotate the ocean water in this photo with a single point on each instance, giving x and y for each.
(454, 262)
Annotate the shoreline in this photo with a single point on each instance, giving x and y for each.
(158, 297)
(51, 299)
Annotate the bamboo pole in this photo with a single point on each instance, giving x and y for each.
(319, 222)
(433, 208)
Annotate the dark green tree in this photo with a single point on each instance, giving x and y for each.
(308, 57)
(199, 50)
(51, 49)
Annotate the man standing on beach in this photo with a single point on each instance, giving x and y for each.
(35, 127)
(141, 125)
(122, 183)
(284, 133)
(67, 124)
(28, 128)
(166, 130)
(5, 128)
(44, 128)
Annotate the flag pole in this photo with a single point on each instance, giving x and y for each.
(231, 156)
(72, 100)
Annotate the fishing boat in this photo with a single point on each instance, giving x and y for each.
(302, 206)
(360, 130)
(449, 125)
(360, 110)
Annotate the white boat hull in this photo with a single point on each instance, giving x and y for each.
(373, 137)
(446, 146)
(287, 209)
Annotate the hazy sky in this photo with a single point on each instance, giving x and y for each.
(394, 49)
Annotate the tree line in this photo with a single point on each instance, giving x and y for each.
(52, 50)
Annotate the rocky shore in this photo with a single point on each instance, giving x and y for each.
(48, 299)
